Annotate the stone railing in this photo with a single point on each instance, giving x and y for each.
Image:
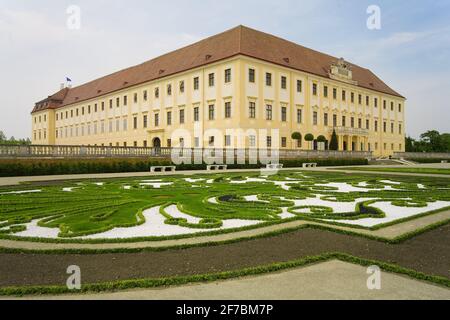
(418, 155)
(350, 131)
(58, 151)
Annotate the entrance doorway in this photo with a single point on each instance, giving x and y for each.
(156, 143)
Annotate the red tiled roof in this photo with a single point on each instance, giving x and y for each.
(239, 40)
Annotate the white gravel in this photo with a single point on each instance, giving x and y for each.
(156, 185)
(20, 192)
(395, 213)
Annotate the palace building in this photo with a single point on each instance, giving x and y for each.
(240, 79)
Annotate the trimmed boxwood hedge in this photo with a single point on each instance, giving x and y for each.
(37, 167)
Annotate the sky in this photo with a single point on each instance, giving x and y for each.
(410, 51)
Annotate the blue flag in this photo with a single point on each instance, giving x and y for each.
(68, 79)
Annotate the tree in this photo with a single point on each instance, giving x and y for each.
(409, 144)
(334, 145)
(433, 140)
(2, 136)
(309, 137)
(297, 136)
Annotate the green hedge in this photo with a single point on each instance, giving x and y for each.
(428, 160)
(36, 167)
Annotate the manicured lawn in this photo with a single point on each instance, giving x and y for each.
(205, 202)
(406, 170)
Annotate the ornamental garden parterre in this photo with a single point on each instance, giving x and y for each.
(173, 206)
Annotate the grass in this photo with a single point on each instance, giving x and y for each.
(92, 208)
(402, 170)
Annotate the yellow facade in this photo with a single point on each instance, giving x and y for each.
(144, 117)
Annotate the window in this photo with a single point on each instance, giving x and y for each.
(169, 89)
(95, 108)
(367, 100)
(352, 122)
(156, 119)
(182, 116)
(268, 79)
(211, 112)
(156, 93)
(169, 118)
(399, 107)
(144, 121)
(315, 118)
(325, 91)
(384, 126)
(196, 83)
(334, 120)
(283, 82)
(269, 141)
(375, 125)
(117, 102)
(56, 119)
(314, 89)
(135, 97)
(196, 142)
(299, 85)
(343, 95)
(211, 141)
(400, 129)
(352, 97)
(144, 143)
(135, 143)
(252, 141)
(325, 119)
(145, 98)
(392, 106)
(135, 123)
(196, 114)
(181, 86)
(82, 112)
(227, 140)
(125, 124)
(375, 102)
(334, 93)
(252, 110)
(211, 79)
(268, 112)
(181, 144)
(299, 115)
(251, 75)
(384, 104)
(367, 124)
(343, 121)
(227, 75)
(125, 100)
(89, 109)
(102, 127)
(283, 142)
(392, 127)
(117, 125)
(110, 103)
(227, 109)
(283, 113)
(359, 99)
(169, 143)
(359, 123)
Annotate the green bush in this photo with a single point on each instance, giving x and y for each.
(36, 167)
